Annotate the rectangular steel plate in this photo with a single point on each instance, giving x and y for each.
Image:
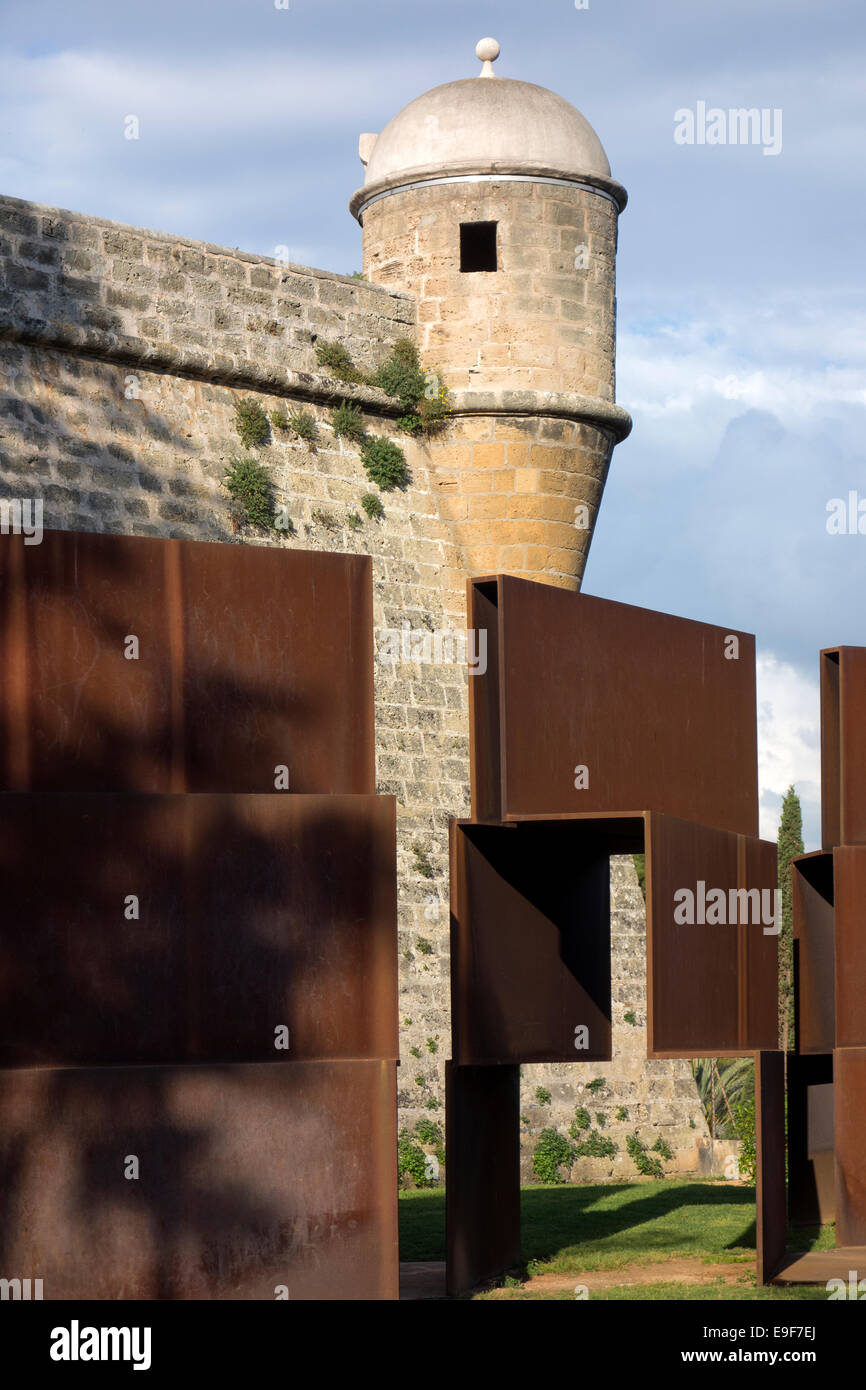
(530, 944)
(249, 659)
(660, 710)
(849, 1109)
(711, 985)
(814, 953)
(772, 1216)
(849, 873)
(483, 1173)
(232, 1182)
(254, 912)
(843, 746)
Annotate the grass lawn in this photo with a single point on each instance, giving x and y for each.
(601, 1227)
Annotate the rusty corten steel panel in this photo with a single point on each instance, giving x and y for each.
(849, 1110)
(253, 912)
(814, 953)
(277, 668)
(250, 659)
(831, 770)
(482, 1191)
(650, 704)
(77, 715)
(759, 954)
(250, 1178)
(530, 944)
(811, 1164)
(771, 1202)
(484, 777)
(843, 746)
(849, 873)
(711, 984)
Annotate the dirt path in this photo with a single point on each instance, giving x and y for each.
(683, 1271)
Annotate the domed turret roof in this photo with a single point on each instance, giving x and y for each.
(485, 125)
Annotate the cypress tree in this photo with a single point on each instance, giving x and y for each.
(790, 844)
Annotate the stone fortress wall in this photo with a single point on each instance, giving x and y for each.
(122, 355)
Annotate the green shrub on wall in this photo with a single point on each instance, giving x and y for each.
(251, 422)
(385, 462)
(595, 1145)
(412, 1160)
(250, 487)
(401, 376)
(348, 422)
(551, 1153)
(337, 362)
(639, 1154)
(580, 1122)
(421, 393)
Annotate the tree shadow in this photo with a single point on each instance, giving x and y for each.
(167, 912)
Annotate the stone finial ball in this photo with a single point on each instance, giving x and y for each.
(488, 50)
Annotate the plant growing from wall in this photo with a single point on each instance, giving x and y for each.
(580, 1123)
(551, 1153)
(423, 945)
(401, 375)
(621, 1113)
(411, 1160)
(421, 393)
(303, 424)
(251, 422)
(337, 361)
(639, 1154)
(384, 462)
(601, 1119)
(353, 521)
(279, 420)
(542, 1095)
(433, 1044)
(432, 1103)
(422, 863)
(428, 1132)
(415, 1051)
(373, 506)
(629, 1017)
(597, 1085)
(348, 422)
(250, 487)
(662, 1149)
(595, 1145)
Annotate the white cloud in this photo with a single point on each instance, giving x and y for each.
(788, 745)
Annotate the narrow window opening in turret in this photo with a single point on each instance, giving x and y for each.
(478, 246)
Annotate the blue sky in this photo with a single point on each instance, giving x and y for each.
(742, 294)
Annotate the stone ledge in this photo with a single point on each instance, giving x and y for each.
(192, 362)
(568, 405)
